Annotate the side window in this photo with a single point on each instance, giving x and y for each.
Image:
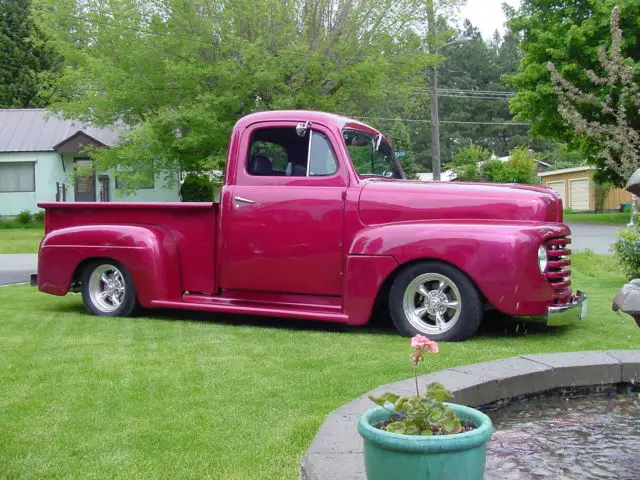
(321, 162)
(276, 151)
(282, 152)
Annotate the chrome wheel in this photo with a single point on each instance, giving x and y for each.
(107, 288)
(432, 303)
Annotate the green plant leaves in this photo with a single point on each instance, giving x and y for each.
(450, 422)
(420, 415)
(437, 391)
(384, 398)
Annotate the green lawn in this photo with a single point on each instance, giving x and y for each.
(20, 240)
(182, 396)
(599, 218)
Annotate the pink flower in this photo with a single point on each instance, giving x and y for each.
(420, 341)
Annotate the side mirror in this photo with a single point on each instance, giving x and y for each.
(633, 184)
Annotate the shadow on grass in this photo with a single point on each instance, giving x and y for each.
(494, 325)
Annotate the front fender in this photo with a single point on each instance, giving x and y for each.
(149, 253)
(500, 258)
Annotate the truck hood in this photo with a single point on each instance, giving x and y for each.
(387, 201)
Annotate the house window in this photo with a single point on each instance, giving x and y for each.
(17, 177)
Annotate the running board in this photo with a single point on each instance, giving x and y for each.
(216, 304)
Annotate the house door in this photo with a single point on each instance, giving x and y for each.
(103, 181)
(85, 187)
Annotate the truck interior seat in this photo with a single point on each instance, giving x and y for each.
(260, 165)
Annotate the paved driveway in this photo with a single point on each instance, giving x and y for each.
(593, 237)
(17, 268)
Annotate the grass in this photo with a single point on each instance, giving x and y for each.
(181, 395)
(20, 240)
(619, 218)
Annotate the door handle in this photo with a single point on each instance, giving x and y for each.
(243, 200)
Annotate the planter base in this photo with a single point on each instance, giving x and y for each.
(390, 456)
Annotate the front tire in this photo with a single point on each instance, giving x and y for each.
(436, 300)
(108, 289)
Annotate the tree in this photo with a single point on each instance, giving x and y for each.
(476, 164)
(401, 141)
(177, 74)
(27, 62)
(608, 117)
(467, 161)
(559, 155)
(568, 34)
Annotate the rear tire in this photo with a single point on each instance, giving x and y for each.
(437, 300)
(108, 289)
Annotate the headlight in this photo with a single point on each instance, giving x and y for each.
(542, 258)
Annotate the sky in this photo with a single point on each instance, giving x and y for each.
(487, 15)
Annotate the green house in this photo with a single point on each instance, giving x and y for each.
(38, 153)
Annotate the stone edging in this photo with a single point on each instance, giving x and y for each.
(336, 451)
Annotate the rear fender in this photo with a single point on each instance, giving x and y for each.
(500, 258)
(149, 253)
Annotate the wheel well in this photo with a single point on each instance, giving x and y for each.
(77, 273)
(383, 292)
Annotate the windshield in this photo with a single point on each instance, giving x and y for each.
(369, 160)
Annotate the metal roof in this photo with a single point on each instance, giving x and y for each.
(582, 168)
(36, 130)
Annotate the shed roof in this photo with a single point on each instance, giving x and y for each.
(562, 171)
(37, 130)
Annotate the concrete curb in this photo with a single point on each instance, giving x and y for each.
(336, 451)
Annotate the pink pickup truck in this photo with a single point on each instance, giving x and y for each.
(317, 221)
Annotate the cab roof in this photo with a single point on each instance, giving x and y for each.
(338, 121)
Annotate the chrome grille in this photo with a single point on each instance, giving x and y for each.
(558, 273)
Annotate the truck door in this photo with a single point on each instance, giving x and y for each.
(282, 221)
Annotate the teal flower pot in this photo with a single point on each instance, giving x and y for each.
(391, 456)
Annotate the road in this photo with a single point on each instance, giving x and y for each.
(18, 267)
(597, 238)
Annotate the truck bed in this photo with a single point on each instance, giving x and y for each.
(192, 226)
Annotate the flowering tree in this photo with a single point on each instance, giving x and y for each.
(606, 116)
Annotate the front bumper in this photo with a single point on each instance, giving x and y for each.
(571, 312)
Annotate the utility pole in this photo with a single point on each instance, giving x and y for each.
(433, 87)
(435, 125)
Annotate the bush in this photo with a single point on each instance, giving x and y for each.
(24, 217)
(474, 163)
(627, 251)
(196, 188)
(38, 217)
(601, 191)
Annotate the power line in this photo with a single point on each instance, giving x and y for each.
(441, 121)
(485, 123)
(478, 92)
(481, 97)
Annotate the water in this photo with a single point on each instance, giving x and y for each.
(589, 437)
